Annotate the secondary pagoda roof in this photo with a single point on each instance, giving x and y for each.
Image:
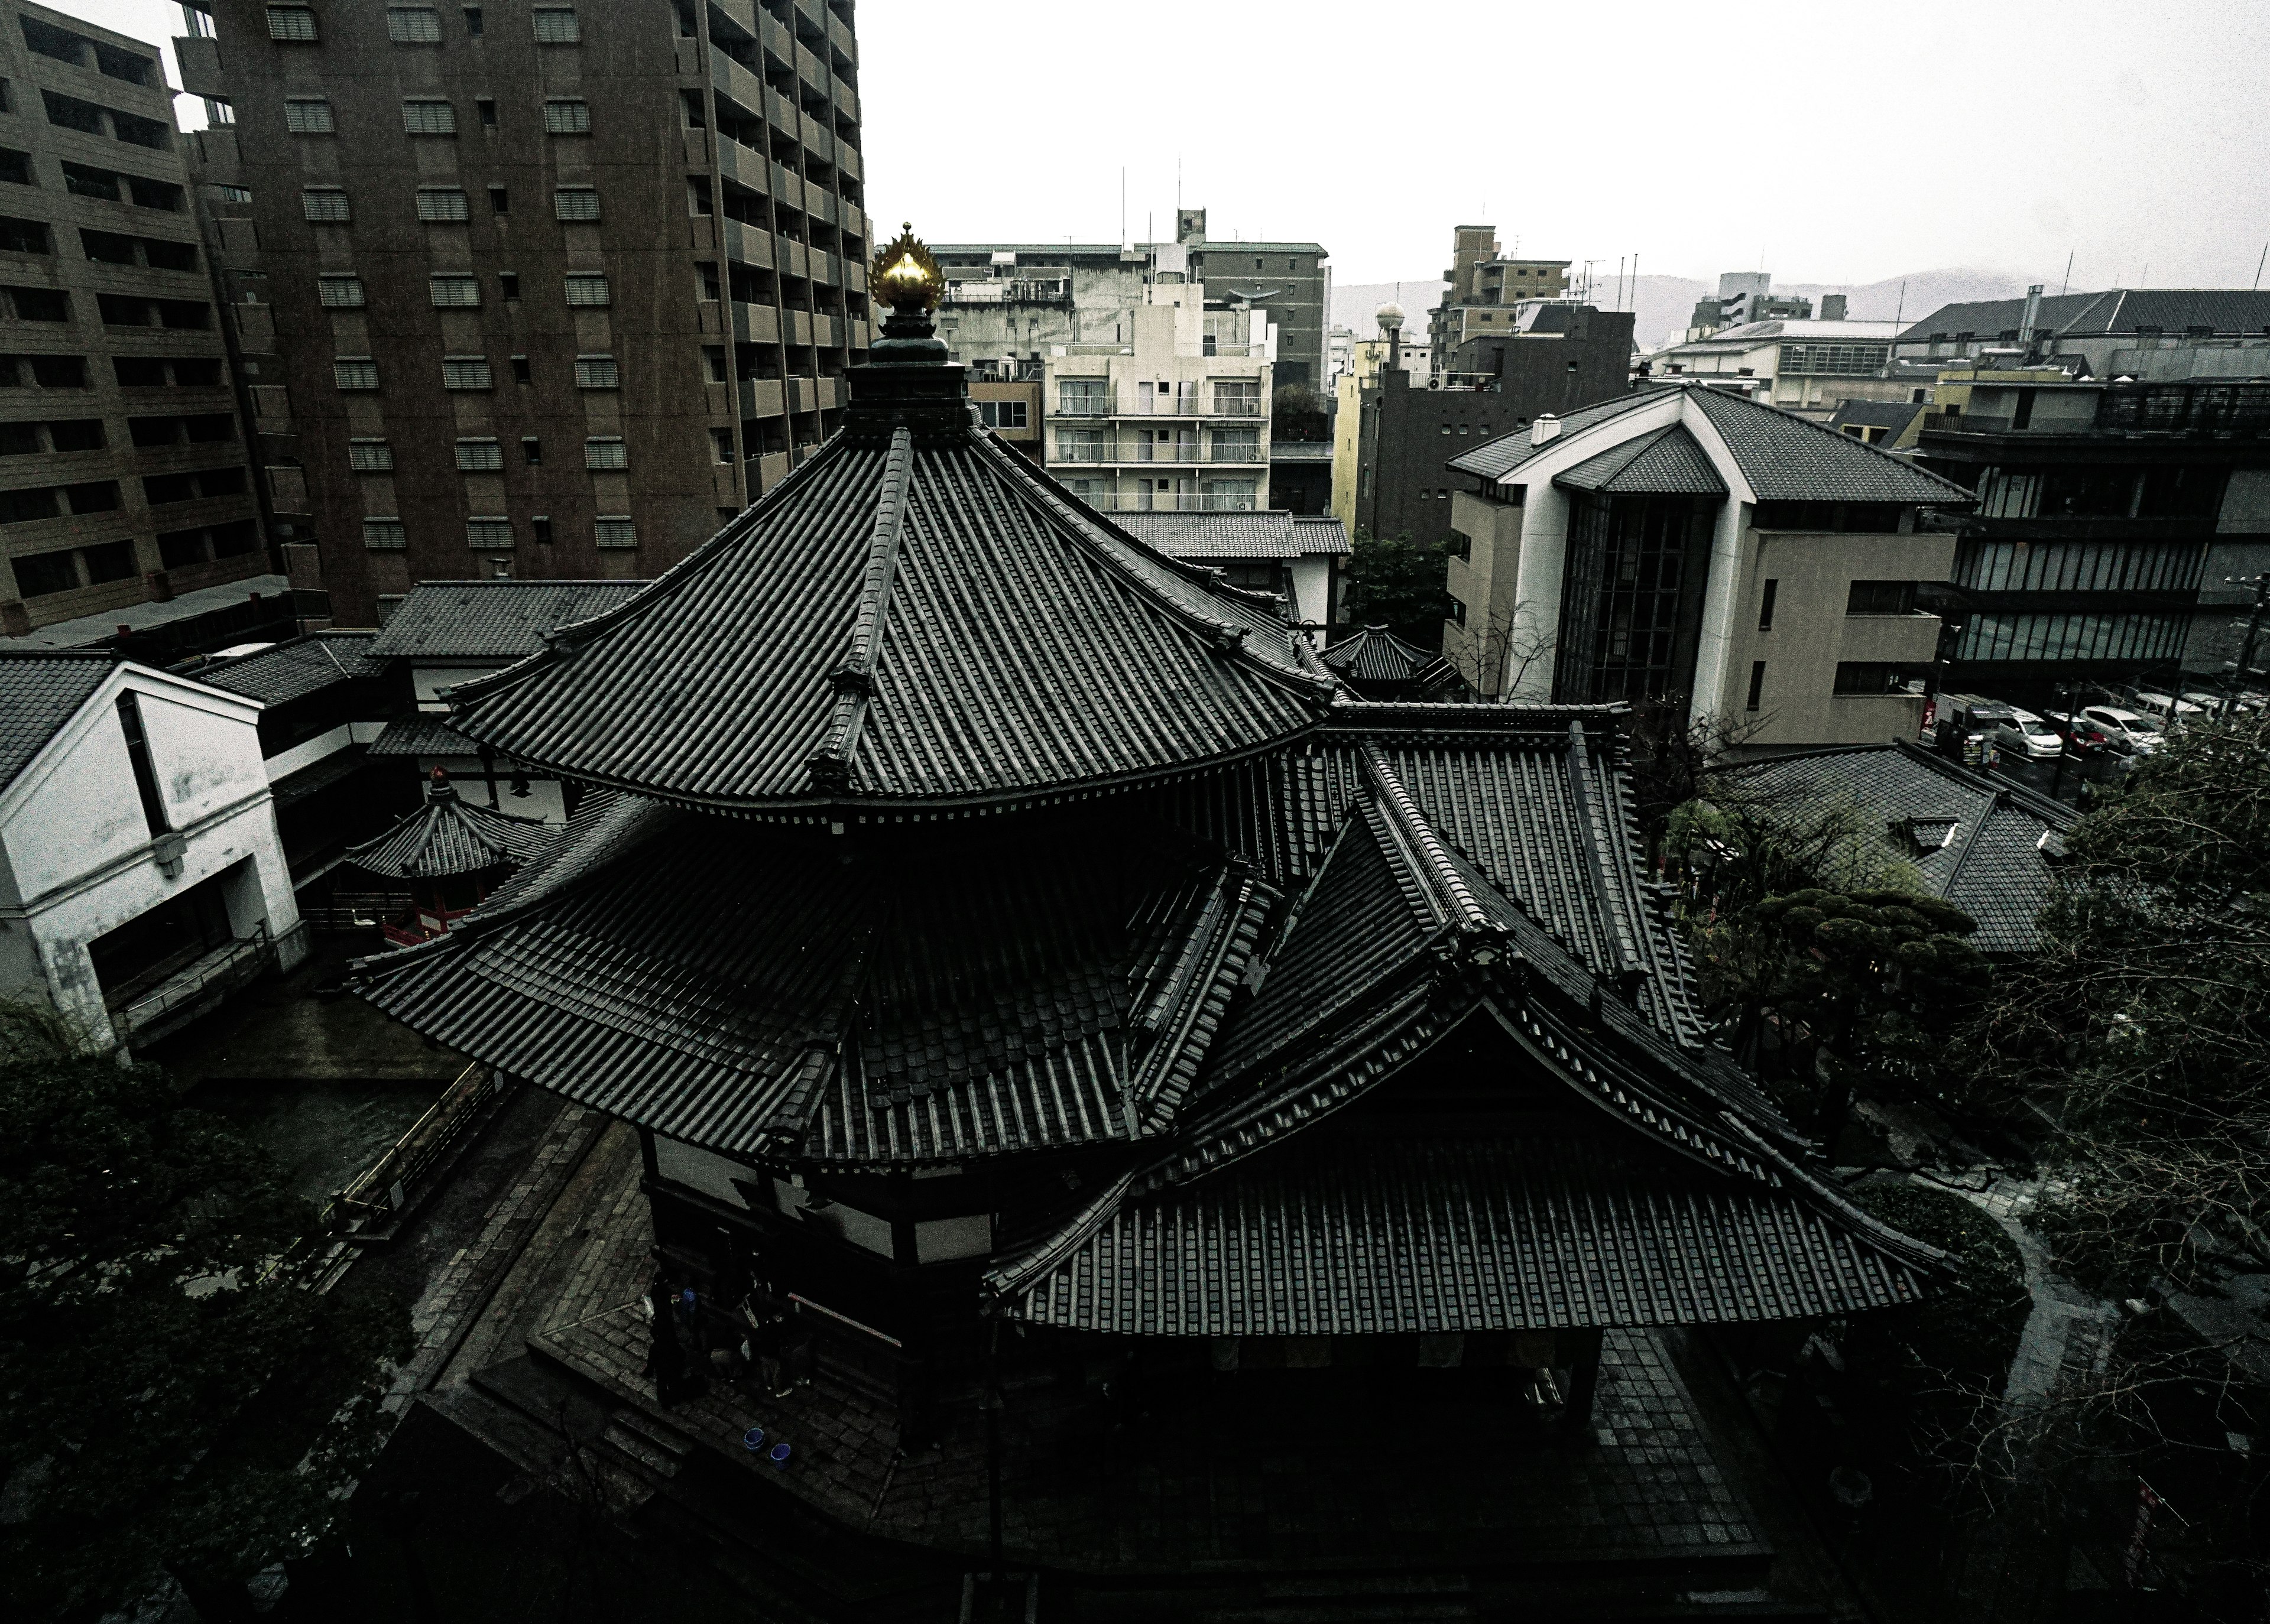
(1372, 654)
(448, 835)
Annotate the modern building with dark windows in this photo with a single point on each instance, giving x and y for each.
(124, 482)
(534, 290)
(1076, 1042)
(2118, 525)
(1687, 545)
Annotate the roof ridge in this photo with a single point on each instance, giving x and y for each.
(1452, 896)
(829, 768)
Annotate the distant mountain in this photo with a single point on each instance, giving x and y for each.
(1662, 305)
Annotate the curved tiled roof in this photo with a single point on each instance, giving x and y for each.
(294, 670)
(448, 835)
(905, 623)
(1374, 653)
(489, 621)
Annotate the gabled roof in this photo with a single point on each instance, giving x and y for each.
(1788, 458)
(1666, 462)
(2227, 312)
(1998, 838)
(491, 621)
(422, 735)
(1785, 457)
(903, 622)
(294, 670)
(38, 692)
(450, 836)
(1267, 533)
(1892, 414)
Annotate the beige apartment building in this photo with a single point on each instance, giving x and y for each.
(123, 476)
(1172, 413)
(1688, 544)
(545, 291)
(1485, 284)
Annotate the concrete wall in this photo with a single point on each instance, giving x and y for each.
(76, 857)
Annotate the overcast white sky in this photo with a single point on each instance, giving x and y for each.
(1842, 143)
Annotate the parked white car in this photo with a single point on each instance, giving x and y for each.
(2169, 710)
(2028, 735)
(2128, 731)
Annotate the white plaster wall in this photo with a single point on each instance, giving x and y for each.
(1312, 589)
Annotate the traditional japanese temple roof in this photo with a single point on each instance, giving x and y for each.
(1373, 654)
(1214, 945)
(916, 618)
(448, 835)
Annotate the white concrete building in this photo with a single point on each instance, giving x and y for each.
(1296, 558)
(1172, 414)
(141, 876)
(1804, 366)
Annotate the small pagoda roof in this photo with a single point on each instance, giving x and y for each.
(1375, 654)
(448, 836)
(916, 618)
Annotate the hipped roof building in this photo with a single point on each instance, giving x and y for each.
(982, 916)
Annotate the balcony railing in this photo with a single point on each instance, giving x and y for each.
(1084, 406)
(975, 291)
(1965, 423)
(1138, 453)
(1150, 404)
(1156, 501)
(221, 970)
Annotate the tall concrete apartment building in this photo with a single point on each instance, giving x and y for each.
(1484, 284)
(537, 290)
(1008, 304)
(123, 478)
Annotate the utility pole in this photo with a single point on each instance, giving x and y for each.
(2253, 631)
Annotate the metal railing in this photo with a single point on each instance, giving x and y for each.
(1965, 422)
(1185, 456)
(384, 1186)
(1153, 501)
(221, 970)
(1084, 406)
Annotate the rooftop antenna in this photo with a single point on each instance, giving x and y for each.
(1122, 202)
(2067, 283)
(2258, 267)
(1900, 313)
(2144, 277)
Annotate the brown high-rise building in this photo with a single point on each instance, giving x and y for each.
(123, 481)
(543, 290)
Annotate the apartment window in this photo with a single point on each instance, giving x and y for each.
(1881, 598)
(614, 533)
(698, 200)
(1757, 685)
(146, 772)
(531, 451)
(567, 117)
(474, 22)
(370, 457)
(295, 22)
(555, 25)
(442, 202)
(355, 372)
(339, 291)
(575, 203)
(713, 358)
(520, 372)
(586, 288)
(41, 304)
(455, 290)
(611, 453)
(325, 205)
(509, 285)
(424, 115)
(712, 289)
(723, 439)
(31, 237)
(1237, 397)
(499, 200)
(1766, 605)
(485, 109)
(1870, 677)
(1084, 398)
(384, 535)
(43, 574)
(597, 372)
(479, 456)
(466, 372)
(308, 115)
(413, 25)
(1007, 413)
(540, 529)
(489, 532)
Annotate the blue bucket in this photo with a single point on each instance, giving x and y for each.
(779, 1456)
(753, 1439)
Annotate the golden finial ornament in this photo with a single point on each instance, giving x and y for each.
(905, 276)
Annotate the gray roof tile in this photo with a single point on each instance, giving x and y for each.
(1666, 462)
(489, 621)
(294, 670)
(450, 835)
(1267, 533)
(38, 692)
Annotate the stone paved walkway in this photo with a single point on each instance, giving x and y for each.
(1212, 1487)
